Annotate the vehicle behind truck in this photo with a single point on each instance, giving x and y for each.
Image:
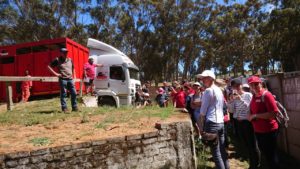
(117, 81)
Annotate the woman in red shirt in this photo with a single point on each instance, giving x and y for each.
(179, 98)
(263, 110)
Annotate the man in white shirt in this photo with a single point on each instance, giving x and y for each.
(212, 117)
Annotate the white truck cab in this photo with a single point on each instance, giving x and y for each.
(116, 82)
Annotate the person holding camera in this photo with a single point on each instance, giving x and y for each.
(212, 118)
(241, 108)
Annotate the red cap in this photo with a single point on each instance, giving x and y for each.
(186, 84)
(254, 79)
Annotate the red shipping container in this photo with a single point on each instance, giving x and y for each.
(35, 57)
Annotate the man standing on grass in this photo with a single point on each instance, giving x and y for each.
(66, 72)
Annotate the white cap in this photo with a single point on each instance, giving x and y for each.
(246, 85)
(207, 73)
(146, 94)
(197, 83)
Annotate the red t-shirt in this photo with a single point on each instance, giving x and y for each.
(90, 70)
(258, 106)
(180, 99)
(191, 91)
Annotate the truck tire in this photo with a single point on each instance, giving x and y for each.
(106, 101)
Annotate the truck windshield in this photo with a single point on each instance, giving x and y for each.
(134, 74)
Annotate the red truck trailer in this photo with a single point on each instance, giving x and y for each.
(35, 57)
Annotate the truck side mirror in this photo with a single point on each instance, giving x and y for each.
(142, 75)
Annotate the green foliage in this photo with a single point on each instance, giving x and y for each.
(161, 36)
(40, 141)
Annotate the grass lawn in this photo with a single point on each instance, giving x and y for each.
(47, 111)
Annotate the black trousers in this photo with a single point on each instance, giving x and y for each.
(267, 143)
(246, 133)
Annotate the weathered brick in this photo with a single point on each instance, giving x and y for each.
(23, 161)
(151, 134)
(81, 145)
(58, 156)
(161, 157)
(134, 137)
(173, 131)
(36, 159)
(152, 152)
(103, 149)
(98, 142)
(160, 145)
(83, 151)
(116, 139)
(164, 150)
(42, 165)
(62, 164)
(67, 148)
(132, 143)
(164, 138)
(11, 163)
(162, 132)
(149, 141)
(69, 154)
(17, 155)
(40, 152)
(87, 165)
(137, 150)
(55, 149)
(115, 152)
(78, 160)
(47, 157)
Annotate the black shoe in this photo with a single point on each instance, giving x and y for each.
(66, 111)
(75, 109)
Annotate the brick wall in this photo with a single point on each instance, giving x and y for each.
(287, 88)
(171, 146)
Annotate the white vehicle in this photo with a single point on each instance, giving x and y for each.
(116, 82)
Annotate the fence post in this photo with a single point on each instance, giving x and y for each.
(9, 100)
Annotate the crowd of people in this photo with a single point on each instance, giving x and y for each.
(216, 105)
(249, 108)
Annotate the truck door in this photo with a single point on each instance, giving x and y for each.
(102, 76)
(117, 80)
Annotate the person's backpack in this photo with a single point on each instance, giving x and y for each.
(282, 116)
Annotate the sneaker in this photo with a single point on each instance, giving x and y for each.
(75, 109)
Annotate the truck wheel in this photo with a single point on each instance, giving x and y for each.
(106, 101)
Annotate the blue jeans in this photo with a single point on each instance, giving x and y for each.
(67, 84)
(218, 152)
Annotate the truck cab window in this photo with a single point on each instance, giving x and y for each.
(116, 72)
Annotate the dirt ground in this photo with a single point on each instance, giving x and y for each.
(17, 138)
